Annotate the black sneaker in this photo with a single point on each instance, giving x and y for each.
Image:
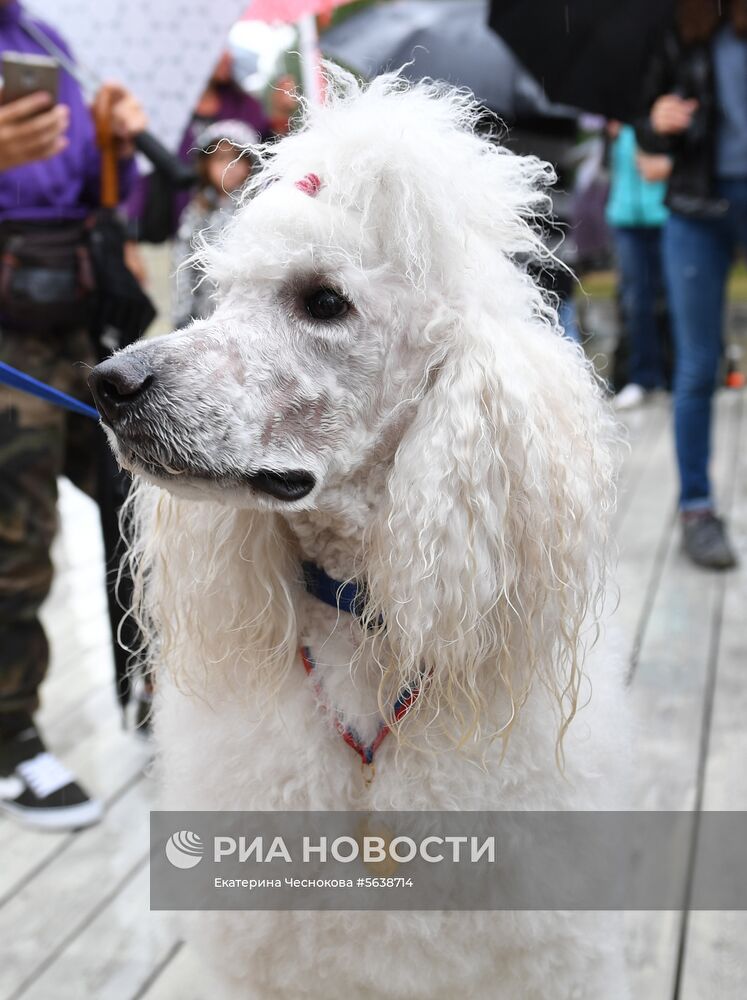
(38, 789)
(705, 541)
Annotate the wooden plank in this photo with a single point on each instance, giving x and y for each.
(115, 954)
(644, 430)
(76, 717)
(73, 547)
(643, 530)
(668, 690)
(49, 911)
(725, 775)
(185, 977)
(75, 612)
(62, 693)
(714, 960)
(72, 635)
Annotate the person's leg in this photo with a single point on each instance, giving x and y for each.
(638, 256)
(82, 434)
(735, 191)
(697, 257)
(562, 284)
(90, 464)
(568, 319)
(655, 263)
(34, 786)
(31, 456)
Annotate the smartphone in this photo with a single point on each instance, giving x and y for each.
(25, 74)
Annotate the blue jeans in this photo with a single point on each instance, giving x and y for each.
(698, 254)
(639, 260)
(568, 319)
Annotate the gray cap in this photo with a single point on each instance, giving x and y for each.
(230, 130)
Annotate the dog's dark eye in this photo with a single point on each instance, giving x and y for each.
(325, 303)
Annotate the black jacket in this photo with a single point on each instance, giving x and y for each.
(688, 72)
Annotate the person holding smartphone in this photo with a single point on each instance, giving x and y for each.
(49, 186)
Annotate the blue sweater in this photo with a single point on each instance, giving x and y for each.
(632, 200)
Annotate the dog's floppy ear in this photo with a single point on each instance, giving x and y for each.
(212, 586)
(489, 549)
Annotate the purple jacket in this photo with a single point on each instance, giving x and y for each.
(67, 185)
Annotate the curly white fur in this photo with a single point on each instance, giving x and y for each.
(463, 465)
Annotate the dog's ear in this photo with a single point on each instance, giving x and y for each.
(213, 592)
(490, 547)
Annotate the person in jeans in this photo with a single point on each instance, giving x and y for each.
(636, 214)
(49, 184)
(696, 96)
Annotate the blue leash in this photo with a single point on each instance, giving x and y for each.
(17, 380)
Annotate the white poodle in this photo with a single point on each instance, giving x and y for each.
(382, 392)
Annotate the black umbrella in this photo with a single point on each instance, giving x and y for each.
(591, 54)
(446, 40)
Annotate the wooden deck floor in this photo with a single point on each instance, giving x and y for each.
(74, 918)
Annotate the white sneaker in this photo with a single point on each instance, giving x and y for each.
(630, 397)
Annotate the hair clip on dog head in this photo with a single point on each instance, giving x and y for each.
(310, 184)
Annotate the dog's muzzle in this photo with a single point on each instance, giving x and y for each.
(120, 387)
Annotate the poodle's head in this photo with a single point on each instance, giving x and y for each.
(363, 259)
(375, 310)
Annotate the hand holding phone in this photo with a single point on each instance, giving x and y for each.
(31, 130)
(25, 74)
(32, 125)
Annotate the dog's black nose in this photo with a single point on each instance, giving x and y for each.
(118, 383)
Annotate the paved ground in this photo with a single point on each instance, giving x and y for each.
(74, 908)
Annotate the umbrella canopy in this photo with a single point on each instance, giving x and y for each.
(303, 13)
(591, 54)
(444, 39)
(288, 11)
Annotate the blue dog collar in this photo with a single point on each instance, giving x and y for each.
(348, 597)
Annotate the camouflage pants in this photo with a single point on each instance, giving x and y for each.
(38, 443)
